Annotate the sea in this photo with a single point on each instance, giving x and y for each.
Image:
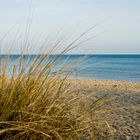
(102, 67)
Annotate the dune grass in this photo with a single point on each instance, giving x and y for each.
(43, 107)
(38, 103)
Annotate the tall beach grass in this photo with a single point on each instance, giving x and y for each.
(38, 103)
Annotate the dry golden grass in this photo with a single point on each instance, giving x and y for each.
(37, 103)
(43, 107)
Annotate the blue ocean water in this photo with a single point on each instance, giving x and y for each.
(106, 67)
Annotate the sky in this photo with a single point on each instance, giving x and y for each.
(27, 23)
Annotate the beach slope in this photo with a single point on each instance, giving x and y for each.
(123, 116)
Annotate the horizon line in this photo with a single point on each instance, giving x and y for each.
(74, 54)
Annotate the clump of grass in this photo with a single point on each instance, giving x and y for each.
(44, 107)
(38, 103)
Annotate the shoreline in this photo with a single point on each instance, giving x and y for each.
(84, 78)
(108, 84)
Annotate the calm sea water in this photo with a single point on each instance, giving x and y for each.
(106, 67)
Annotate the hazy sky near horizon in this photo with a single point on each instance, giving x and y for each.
(121, 30)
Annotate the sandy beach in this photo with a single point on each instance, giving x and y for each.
(123, 116)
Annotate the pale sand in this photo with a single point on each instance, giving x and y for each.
(133, 87)
(124, 118)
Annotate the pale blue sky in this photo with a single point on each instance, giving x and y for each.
(122, 30)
